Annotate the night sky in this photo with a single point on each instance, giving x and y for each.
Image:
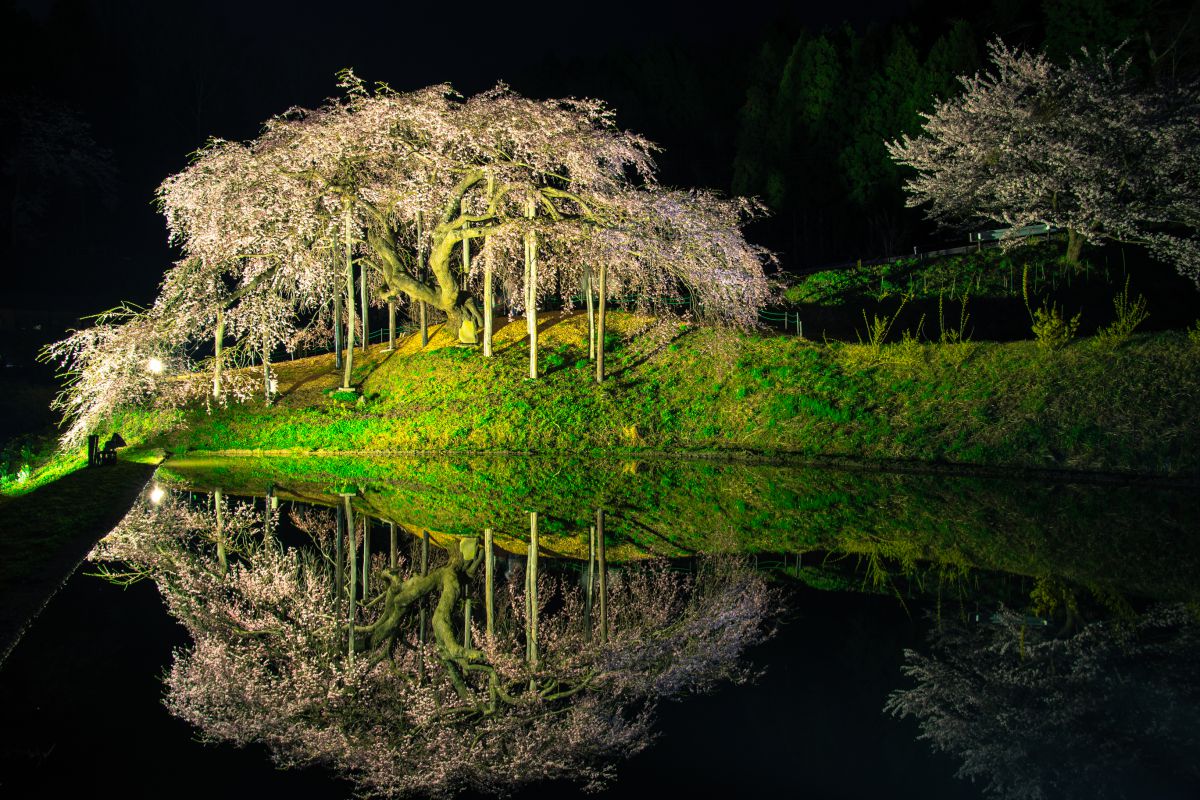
(155, 79)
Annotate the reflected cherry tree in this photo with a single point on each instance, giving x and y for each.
(1110, 709)
(374, 664)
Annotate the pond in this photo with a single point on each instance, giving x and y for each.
(535, 627)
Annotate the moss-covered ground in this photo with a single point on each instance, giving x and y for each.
(682, 388)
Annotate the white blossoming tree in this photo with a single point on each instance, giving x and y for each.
(404, 183)
(1082, 147)
(282, 654)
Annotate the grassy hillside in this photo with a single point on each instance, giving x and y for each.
(685, 388)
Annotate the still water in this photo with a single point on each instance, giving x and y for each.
(326, 628)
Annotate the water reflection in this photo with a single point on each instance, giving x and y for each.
(431, 626)
(1111, 709)
(377, 665)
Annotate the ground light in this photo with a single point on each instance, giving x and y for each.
(155, 366)
(157, 494)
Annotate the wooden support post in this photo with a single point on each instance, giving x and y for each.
(353, 554)
(366, 565)
(603, 575)
(424, 315)
(392, 555)
(218, 354)
(337, 330)
(591, 313)
(362, 288)
(489, 574)
(531, 293)
(349, 245)
(602, 291)
(391, 325)
(222, 555)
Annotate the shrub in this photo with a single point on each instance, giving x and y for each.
(1051, 329)
(1129, 314)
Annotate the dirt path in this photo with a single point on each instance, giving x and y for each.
(46, 533)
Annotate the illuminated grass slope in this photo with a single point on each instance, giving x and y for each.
(681, 388)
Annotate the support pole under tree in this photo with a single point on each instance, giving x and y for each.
(392, 558)
(218, 352)
(266, 359)
(591, 312)
(533, 589)
(489, 300)
(222, 555)
(424, 315)
(467, 623)
(421, 616)
(391, 325)
(531, 293)
(589, 585)
(488, 297)
(337, 330)
(353, 553)
(338, 564)
(603, 575)
(366, 567)
(349, 366)
(466, 260)
(489, 574)
(362, 291)
(602, 292)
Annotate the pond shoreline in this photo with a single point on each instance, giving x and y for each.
(734, 458)
(48, 533)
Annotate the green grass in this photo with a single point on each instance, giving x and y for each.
(1131, 539)
(44, 533)
(990, 272)
(697, 390)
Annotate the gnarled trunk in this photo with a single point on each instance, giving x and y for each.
(1074, 245)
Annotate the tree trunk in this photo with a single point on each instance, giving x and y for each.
(1074, 245)
(218, 355)
(349, 365)
(602, 291)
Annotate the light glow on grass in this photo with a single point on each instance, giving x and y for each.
(157, 494)
(155, 366)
